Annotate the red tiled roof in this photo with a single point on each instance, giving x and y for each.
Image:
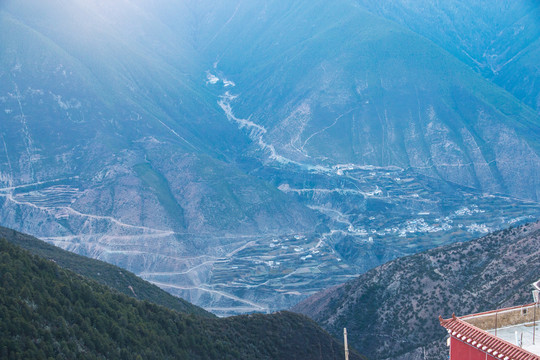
(485, 341)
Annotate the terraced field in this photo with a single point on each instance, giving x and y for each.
(368, 216)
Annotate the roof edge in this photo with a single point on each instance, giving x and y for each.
(497, 345)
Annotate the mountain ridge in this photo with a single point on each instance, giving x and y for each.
(48, 311)
(114, 277)
(391, 312)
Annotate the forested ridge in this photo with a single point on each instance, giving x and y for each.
(47, 312)
(117, 278)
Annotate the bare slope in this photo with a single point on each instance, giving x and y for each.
(498, 38)
(332, 83)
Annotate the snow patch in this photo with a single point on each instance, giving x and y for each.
(35, 91)
(256, 132)
(211, 78)
(66, 105)
(6, 179)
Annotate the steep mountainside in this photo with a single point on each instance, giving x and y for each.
(499, 39)
(330, 83)
(246, 154)
(391, 312)
(94, 104)
(116, 278)
(113, 148)
(50, 312)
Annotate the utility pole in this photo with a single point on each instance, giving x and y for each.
(534, 322)
(536, 298)
(346, 345)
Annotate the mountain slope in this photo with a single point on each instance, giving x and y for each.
(116, 278)
(246, 154)
(124, 115)
(334, 84)
(499, 39)
(392, 311)
(113, 148)
(47, 311)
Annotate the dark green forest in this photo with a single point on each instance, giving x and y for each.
(117, 278)
(47, 312)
